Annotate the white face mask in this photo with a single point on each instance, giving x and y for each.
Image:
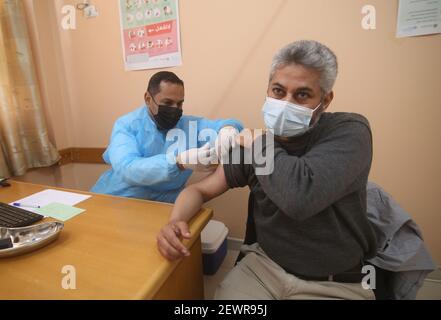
(287, 119)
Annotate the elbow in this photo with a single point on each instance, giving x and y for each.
(193, 194)
(198, 193)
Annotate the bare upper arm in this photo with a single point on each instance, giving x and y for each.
(212, 186)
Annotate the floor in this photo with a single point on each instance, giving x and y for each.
(211, 282)
(430, 291)
(432, 287)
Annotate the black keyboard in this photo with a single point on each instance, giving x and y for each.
(13, 217)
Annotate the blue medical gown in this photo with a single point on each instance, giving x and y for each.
(142, 157)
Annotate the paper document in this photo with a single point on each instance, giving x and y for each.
(50, 196)
(59, 211)
(418, 17)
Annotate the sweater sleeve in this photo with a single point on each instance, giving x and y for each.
(237, 172)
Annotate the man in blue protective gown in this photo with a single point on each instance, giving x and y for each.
(154, 150)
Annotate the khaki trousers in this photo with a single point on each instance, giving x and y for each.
(257, 277)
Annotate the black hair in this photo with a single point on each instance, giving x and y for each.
(163, 76)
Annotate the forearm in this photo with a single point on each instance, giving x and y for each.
(189, 203)
(138, 171)
(186, 206)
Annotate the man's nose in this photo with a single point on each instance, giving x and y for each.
(290, 98)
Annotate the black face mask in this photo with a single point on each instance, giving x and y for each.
(167, 117)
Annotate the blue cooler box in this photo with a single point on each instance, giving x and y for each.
(214, 246)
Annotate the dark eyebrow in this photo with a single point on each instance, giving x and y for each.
(169, 101)
(279, 85)
(299, 89)
(305, 89)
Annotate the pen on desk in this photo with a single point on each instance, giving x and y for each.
(26, 205)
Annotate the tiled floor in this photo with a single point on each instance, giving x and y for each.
(430, 291)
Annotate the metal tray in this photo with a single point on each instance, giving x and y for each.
(30, 238)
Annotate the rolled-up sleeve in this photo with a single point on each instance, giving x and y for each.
(237, 174)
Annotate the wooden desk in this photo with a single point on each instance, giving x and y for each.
(113, 249)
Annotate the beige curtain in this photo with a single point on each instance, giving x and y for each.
(24, 141)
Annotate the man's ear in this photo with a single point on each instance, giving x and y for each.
(148, 101)
(327, 100)
(147, 98)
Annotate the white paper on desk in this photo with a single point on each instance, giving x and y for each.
(49, 196)
(418, 17)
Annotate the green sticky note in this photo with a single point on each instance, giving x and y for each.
(59, 211)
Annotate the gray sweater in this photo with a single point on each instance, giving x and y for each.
(310, 213)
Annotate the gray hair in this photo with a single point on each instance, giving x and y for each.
(310, 54)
